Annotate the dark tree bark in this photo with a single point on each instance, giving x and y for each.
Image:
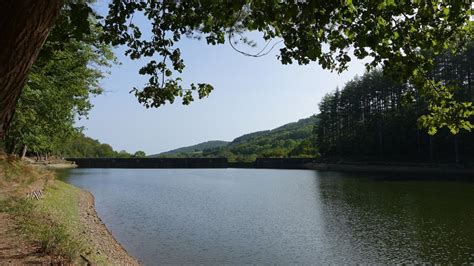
(24, 27)
(456, 149)
(431, 148)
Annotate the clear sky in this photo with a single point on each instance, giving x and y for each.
(251, 94)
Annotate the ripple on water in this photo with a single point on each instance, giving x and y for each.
(216, 216)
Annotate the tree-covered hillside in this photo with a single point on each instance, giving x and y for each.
(290, 140)
(198, 148)
(81, 146)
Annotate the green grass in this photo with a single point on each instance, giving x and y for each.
(59, 235)
(53, 223)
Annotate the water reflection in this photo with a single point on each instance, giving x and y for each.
(216, 216)
(400, 221)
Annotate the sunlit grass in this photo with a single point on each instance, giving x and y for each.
(52, 222)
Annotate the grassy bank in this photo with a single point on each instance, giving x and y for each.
(53, 224)
(61, 225)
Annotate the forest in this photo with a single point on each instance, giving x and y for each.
(58, 92)
(198, 148)
(372, 118)
(414, 105)
(419, 115)
(290, 140)
(59, 87)
(376, 118)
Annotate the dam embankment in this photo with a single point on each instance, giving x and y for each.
(276, 163)
(430, 169)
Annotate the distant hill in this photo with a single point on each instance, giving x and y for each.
(290, 140)
(193, 149)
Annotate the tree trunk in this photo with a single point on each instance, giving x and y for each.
(380, 137)
(418, 141)
(469, 88)
(24, 26)
(456, 149)
(431, 148)
(23, 151)
(11, 148)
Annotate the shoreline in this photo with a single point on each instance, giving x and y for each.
(98, 233)
(60, 226)
(55, 166)
(279, 163)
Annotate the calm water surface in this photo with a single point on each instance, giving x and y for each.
(216, 216)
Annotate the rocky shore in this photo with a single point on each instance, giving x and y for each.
(59, 226)
(97, 233)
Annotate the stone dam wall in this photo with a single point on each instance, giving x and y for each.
(393, 169)
(275, 163)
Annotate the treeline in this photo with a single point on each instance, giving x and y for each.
(373, 117)
(290, 140)
(81, 146)
(63, 79)
(61, 82)
(198, 148)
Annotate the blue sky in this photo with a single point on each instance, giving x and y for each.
(251, 94)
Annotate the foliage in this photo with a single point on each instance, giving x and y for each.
(389, 33)
(449, 92)
(194, 148)
(60, 84)
(53, 223)
(139, 154)
(401, 36)
(120, 154)
(284, 141)
(80, 146)
(290, 140)
(377, 117)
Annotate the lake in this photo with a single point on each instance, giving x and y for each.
(216, 216)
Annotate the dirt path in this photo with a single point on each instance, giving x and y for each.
(14, 250)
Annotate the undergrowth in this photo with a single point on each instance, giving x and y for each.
(52, 222)
(38, 222)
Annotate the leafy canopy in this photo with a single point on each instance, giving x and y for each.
(65, 76)
(403, 36)
(139, 154)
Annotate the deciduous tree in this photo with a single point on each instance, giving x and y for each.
(397, 34)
